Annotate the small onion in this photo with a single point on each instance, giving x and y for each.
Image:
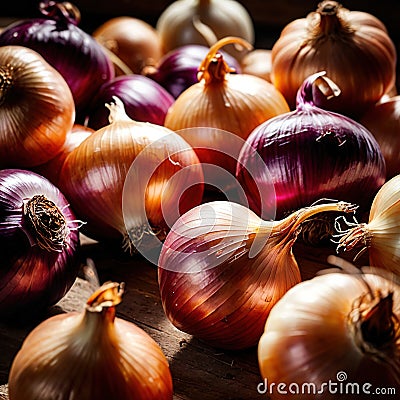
(335, 336)
(52, 168)
(353, 47)
(177, 70)
(36, 108)
(135, 42)
(39, 242)
(311, 153)
(144, 99)
(222, 268)
(90, 355)
(234, 103)
(204, 22)
(71, 51)
(381, 235)
(94, 174)
(383, 121)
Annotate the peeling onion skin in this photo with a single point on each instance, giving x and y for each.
(32, 278)
(310, 337)
(212, 283)
(89, 355)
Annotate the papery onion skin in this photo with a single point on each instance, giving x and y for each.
(177, 70)
(90, 355)
(93, 176)
(353, 47)
(144, 99)
(31, 277)
(72, 52)
(133, 40)
(52, 169)
(311, 153)
(383, 121)
(176, 25)
(310, 338)
(258, 62)
(36, 108)
(222, 269)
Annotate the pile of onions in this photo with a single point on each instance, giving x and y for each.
(222, 269)
(221, 101)
(383, 121)
(90, 355)
(78, 57)
(334, 336)
(36, 108)
(204, 22)
(144, 99)
(353, 47)
(310, 153)
(52, 168)
(94, 174)
(381, 234)
(135, 42)
(177, 70)
(39, 242)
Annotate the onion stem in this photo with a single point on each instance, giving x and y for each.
(5, 82)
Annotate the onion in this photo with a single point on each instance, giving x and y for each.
(204, 22)
(383, 121)
(90, 355)
(52, 168)
(36, 108)
(222, 268)
(310, 153)
(144, 100)
(39, 242)
(94, 174)
(221, 101)
(135, 42)
(258, 62)
(381, 235)
(177, 70)
(71, 51)
(335, 336)
(353, 47)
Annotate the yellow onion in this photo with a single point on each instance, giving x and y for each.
(381, 234)
(133, 41)
(257, 62)
(353, 47)
(204, 22)
(221, 101)
(36, 108)
(90, 355)
(222, 269)
(336, 336)
(383, 121)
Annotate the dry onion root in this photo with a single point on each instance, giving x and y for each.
(90, 355)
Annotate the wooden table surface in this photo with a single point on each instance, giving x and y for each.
(199, 371)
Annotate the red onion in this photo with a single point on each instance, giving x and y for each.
(39, 240)
(178, 69)
(144, 100)
(311, 154)
(77, 56)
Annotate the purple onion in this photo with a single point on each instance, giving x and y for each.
(77, 56)
(177, 70)
(310, 154)
(39, 242)
(144, 100)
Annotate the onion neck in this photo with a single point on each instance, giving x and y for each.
(46, 222)
(64, 12)
(6, 82)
